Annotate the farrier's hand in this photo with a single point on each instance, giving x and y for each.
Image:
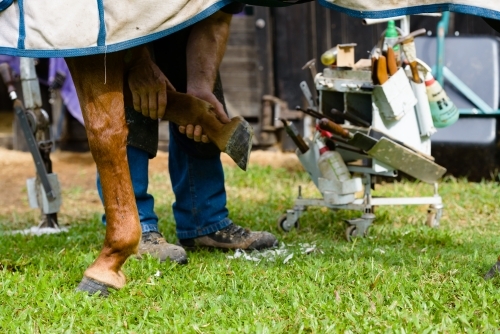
(195, 131)
(149, 88)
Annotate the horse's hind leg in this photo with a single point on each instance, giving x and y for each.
(99, 84)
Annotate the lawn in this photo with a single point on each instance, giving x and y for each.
(403, 278)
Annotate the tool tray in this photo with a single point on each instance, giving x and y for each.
(389, 110)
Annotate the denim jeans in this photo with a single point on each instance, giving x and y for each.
(198, 185)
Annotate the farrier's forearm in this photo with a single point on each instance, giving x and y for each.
(205, 50)
(136, 54)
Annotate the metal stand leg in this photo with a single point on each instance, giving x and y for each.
(435, 211)
(43, 190)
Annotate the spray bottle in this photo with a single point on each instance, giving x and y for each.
(331, 164)
(443, 110)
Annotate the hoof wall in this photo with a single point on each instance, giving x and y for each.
(239, 144)
(92, 287)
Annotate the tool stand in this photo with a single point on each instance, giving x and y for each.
(391, 109)
(44, 189)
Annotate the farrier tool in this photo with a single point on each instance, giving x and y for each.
(390, 153)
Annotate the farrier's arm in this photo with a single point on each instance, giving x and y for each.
(205, 49)
(147, 82)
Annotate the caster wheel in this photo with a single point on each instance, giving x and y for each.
(352, 232)
(283, 224)
(433, 218)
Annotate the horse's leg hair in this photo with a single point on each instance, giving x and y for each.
(100, 92)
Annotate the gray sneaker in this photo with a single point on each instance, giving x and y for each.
(233, 237)
(154, 244)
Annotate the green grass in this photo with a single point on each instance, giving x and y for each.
(403, 278)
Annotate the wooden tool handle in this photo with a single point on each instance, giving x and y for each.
(382, 70)
(292, 131)
(328, 125)
(414, 72)
(392, 66)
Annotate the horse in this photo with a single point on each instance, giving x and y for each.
(102, 93)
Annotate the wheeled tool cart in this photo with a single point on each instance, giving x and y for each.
(372, 120)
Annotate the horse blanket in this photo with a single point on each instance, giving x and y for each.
(68, 28)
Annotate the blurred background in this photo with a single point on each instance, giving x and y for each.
(263, 66)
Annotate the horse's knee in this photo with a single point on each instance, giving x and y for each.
(107, 141)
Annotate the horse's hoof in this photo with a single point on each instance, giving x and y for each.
(493, 271)
(239, 144)
(92, 287)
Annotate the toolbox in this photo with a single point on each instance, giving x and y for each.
(379, 124)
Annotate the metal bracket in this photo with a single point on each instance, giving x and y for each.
(33, 147)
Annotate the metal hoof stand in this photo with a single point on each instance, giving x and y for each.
(379, 122)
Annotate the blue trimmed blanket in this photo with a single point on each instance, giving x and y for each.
(67, 28)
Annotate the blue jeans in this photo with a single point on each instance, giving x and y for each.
(198, 185)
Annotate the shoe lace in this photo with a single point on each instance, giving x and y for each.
(235, 230)
(153, 237)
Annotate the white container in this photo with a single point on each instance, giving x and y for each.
(394, 97)
(331, 165)
(336, 184)
(423, 110)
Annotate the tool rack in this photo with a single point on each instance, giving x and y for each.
(353, 92)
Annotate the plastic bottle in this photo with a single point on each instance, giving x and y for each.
(331, 164)
(443, 110)
(329, 56)
(391, 35)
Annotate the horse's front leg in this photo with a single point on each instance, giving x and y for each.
(99, 84)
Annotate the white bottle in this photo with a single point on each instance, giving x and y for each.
(331, 164)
